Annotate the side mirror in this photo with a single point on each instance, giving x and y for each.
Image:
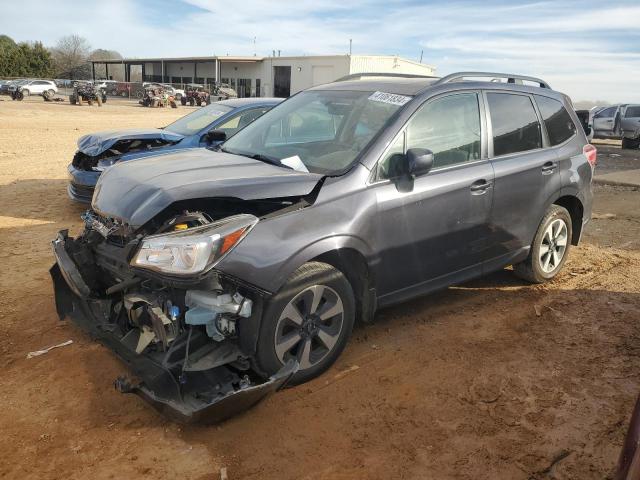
(420, 161)
(215, 136)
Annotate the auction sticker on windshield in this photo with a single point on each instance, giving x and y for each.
(391, 98)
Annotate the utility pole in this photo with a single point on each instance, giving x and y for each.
(350, 45)
(421, 53)
(254, 46)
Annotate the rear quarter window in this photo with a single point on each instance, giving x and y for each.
(514, 122)
(556, 119)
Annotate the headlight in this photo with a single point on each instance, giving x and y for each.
(194, 250)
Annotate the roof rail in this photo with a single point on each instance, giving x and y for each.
(511, 78)
(358, 76)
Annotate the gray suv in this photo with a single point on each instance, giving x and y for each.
(221, 275)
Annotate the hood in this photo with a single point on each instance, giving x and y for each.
(135, 192)
(96, 143)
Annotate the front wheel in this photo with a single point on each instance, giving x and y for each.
(309, 320)
(550, 247)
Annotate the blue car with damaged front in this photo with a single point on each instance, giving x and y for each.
(206, 127)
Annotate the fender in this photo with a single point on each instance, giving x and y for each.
(320, 247)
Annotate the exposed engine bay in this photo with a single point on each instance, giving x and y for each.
(189, 340)
(105, 158)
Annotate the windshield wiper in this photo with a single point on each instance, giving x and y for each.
(258, 156)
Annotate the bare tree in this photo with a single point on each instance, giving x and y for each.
(70, 57)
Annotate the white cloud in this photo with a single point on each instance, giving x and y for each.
(588, 50)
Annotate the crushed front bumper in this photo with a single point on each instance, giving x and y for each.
(204, 397)
(82, 184)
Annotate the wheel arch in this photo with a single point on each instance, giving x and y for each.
(576, 210)
(348, 254)
(353, 265)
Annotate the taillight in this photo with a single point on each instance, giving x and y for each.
(591, 153)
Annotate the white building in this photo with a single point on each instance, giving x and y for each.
(258, 76)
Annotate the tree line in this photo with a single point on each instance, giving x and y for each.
(68, 59)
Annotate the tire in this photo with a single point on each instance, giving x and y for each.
(72, 99)
(19, 96)
(330, 287)
(99, 99)
(51, 92)
(630, 144)
(192, 101)
(554, 233)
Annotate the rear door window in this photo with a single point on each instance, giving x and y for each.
(556, 119)
(515, 124)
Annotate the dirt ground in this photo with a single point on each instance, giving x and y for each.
(494, 379)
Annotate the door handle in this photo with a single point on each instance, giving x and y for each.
(610, 121)
(548, 168)
(479, 187)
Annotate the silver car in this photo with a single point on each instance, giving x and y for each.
(619, 122)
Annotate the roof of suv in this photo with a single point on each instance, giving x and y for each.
(404, 84)
(397, 85)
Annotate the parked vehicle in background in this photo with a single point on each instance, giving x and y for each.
(87, 91)
(132, 90)
(13, 86)
(222, 91)
(4, 86)
(195, 94)
(220, 275)
(176, 93)
(202, 128)
(619, 122)
(630, 126)
(106, 86)
(37, 87)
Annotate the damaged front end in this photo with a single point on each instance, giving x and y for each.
(186, 331)
(97, 152)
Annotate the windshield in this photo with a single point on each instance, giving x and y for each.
(196, 121)
(317, 131)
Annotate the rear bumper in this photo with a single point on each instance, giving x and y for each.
(199, 397)
(82, 183)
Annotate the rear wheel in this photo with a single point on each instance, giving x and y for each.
(550, 247)
(309, 320)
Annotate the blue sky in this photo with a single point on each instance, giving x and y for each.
(588, 49)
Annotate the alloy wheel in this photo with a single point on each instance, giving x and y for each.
(553, 246)
(310, 325)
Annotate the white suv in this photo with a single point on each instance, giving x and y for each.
(38, 87)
